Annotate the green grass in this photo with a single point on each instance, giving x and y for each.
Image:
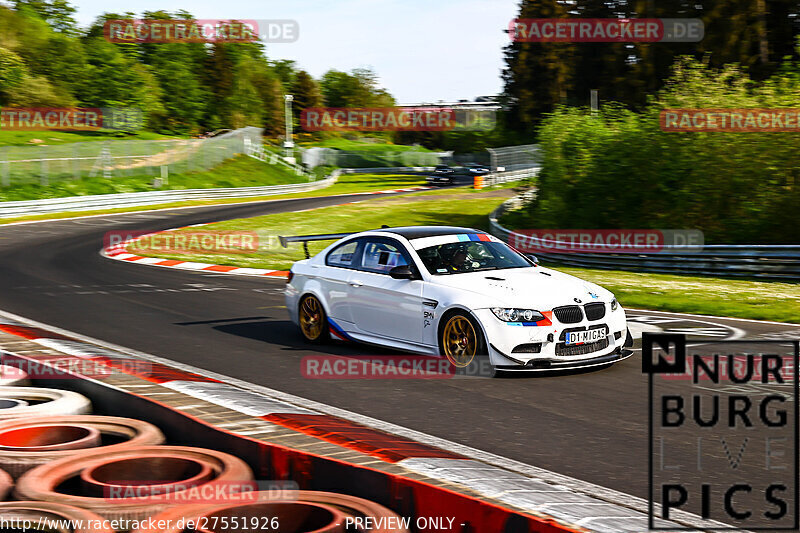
(241, 171)
(24, 138)
(457, 207)
(759, 300)
(347, 184)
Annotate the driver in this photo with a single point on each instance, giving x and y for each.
(459, 260)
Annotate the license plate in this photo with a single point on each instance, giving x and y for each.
(590, 335)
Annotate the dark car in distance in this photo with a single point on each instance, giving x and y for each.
(442, 174)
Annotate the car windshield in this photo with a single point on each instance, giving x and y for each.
(460, 257)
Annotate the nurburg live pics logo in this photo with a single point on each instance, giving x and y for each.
(723, 432)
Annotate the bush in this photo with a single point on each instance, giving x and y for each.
(619, 170)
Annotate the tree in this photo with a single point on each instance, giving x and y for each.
(358, 88)
(756, 34)
(57, 13)
(537, 76)
(12, 73)
(306, 93)
(178, 68)
(271, 93)
(285, 70)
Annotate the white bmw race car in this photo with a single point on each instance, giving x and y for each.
(455, 292)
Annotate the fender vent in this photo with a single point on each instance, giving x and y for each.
(528, 348)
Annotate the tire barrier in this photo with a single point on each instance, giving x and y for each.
(312, 511)
(6, 483)
(8, 404)
(29, 442)
(12, 376)
(36, 513)
(17, 402)
(130, 483)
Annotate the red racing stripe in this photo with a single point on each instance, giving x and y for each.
(31, 332)
(220, 268)
(277, 273)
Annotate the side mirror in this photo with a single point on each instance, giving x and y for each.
(534, 259)
(403, 272)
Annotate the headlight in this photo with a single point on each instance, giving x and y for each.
(614, 304)
(517, 315)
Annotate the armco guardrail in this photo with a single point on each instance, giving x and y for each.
(414, 171)
(774, 262)
(110, 201)
(107, 201)
(496, 178)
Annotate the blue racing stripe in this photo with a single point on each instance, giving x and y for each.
(338, 331)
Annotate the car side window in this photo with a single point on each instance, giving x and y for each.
(381, 256)
(343, 255)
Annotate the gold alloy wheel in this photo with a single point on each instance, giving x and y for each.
(460, 341)
(311, 318)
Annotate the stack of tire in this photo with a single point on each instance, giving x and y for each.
(60, 462)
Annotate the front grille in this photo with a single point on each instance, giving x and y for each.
(569, 314)
(528, 348)
(595, 311)
(562, 350)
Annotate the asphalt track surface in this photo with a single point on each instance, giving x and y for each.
(589, 425)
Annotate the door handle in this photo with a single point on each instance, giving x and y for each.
(355, 283)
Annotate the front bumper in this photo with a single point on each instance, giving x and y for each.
(542, 365)
(542, 347)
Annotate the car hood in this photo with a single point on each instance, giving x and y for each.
(529, 288)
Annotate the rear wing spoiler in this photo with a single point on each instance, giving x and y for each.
(305, 239)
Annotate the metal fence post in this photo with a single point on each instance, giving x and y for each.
(43, 179)
(76, 168)
(6, 170)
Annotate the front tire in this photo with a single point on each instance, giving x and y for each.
(313, 320)
(461, 339)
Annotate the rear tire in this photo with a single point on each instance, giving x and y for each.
(313, 320)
